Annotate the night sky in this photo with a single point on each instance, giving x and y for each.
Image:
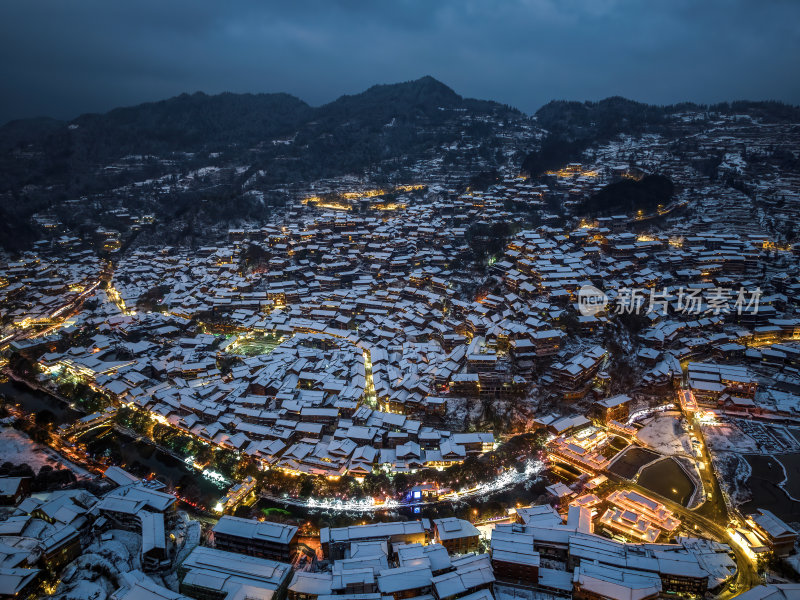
(63, 58)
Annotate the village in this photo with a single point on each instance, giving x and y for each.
(375, 349)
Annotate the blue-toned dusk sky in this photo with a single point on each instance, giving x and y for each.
(64, 58)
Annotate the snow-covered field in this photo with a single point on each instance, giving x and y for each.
(663, 432)
(729, 438)
(18, 448)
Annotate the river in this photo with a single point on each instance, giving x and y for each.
(470, 508)
(34, 401)
(143, 459)
(138, 457)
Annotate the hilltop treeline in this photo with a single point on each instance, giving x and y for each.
(347, 135)
(575, 126)
(629, 196)
(278, 138)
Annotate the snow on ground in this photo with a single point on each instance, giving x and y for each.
(690, 467)
(486, 529)
(132, 542)
(95, 573)
(794, 562)
(664, 433)
(18, 448)
(456, 409)
(187, 535)
(729, 438)
(85, 590)
(202, 172)
(735, 471)
(733, 161)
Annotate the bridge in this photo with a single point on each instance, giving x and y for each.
(87, 423)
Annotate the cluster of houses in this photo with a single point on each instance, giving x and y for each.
(303, 408)
(392, 283)
(369, 338)
(37, 288)
(344, 337)
(42, 533)
(582, 563)
(82, 542)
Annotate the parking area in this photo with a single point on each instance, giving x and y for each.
(770, 438)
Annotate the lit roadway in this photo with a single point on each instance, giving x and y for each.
(712, 517)
(715, 511)
(746, 575)
(715, 508)
(62, 313)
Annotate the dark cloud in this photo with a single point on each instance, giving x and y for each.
(64, 58)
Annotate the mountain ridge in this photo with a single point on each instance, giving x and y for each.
(280, 141)
(68, 153)
(426, 83)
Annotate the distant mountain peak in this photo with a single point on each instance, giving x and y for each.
(425, 94)
(426, 84)
(431, 81)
